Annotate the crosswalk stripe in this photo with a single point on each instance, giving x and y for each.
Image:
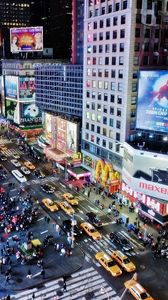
(79, 285)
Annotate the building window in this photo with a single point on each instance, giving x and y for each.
(93, 117)
(103, 11)
(94, 49)
(98, 129)
(106, 60)
(112, 73)
(125, 4)
(137, 47)
(105, 97)
(100, 48)
(115, 21)
(92, 138)
(149, 4)
(133, 100)
(111, 110)
(101, 24)
(106, 85)
(105, 109)
(107, 35)
(120, 74)
(147, 33)
(107, 22)
(113, 62)
(121, 60)
(100, 36)
(122, 33)
(118, 112)
(107, 48)
(138, 18)
(114, 47)
(119, 100)
(106, 73)
(121, 47)
(123, 19)
(100, 60)
(99, 96)
(112, 98)
(145, 60)
(100, 84)
(148, 19)
(88, 61)
(105, 120)
(88, 72)
(104, 141)
(87, 125)
(110, 145)
(113, 86)
(95, 25)
(110, 9)
(98, 141)
(100, 73)
(87, 94)
(157, 33)
(94, 83)
(118, 124)
(111, 122)
(117, 136)
(99, 107)
(114, 34)
(93, 72)
(98, 118)
(120, 87)
(94, 37)
(117, 6)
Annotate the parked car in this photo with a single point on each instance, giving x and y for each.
(94, 219)
(124, 243)
(16, 156)
(19, 176)
(66, 207)
(108, 264)
(47, 188)
(137, 290)
(50, 204)
(91, 231)
(29, 165)
(67, 226)
(3, 157)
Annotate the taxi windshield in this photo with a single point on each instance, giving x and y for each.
(111, 263)
(51, 203)
(126, 261)
(144, 295)
(92, 230)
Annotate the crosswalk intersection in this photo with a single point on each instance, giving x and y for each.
(11, 152)
(82, 285)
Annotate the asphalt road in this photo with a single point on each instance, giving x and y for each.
(152, 273)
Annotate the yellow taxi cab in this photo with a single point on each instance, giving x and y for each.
(123, 261)
(137, 290)
(91, 231)
(50, 204)
(3, 147)
(108, 263)
(29, 165)
(70, 199)
(66, 208)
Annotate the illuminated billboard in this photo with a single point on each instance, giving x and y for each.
(30, 114)
(61, 134)
(152, 108)
(71, 137)
(12, 111)
(11, 87)
(26, 88)
(26, 39)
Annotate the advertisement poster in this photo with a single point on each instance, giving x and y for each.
(11, 87)
(26, 88)
(152, 108)
(30, 114)
(61, 134)
(27, 39)
(71, 137)
(12, 111)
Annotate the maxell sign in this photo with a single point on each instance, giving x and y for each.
(147, 187)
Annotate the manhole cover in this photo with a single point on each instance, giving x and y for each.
(19, 280)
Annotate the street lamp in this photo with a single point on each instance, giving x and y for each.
(73, 223)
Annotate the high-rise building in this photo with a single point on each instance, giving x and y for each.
(77, 31)
(14, 14)
(126, 48)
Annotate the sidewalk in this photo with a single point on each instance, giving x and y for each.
(55, 266)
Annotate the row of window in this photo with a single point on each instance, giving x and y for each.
(105, 48)
(105, 97)
(105, 73)
(104, 108)
(104, 119)
(106, 9)
(106, 60)
(108, 35)
(102, 142)
(107, 22)
(113, 86)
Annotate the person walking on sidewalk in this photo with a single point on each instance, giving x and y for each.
(64, 288)
(29, 274)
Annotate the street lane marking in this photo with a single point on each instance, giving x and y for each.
(40, 219)
(43, 232)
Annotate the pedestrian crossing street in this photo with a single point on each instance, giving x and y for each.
(4, 141)
(105, 244)
(51, 179)
(80, 286)
(11, 152)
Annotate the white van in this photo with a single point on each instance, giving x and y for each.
(19, 176)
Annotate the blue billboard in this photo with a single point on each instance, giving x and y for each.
(11, 87)
(152, 105)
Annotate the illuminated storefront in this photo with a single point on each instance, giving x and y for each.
(145, 182)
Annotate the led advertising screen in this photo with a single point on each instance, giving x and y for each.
(12, 111)
(152, 108)
(26, 39)
(11, 87)
(26, 88)
(61, 134)
(30, 114)
(71, 138)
